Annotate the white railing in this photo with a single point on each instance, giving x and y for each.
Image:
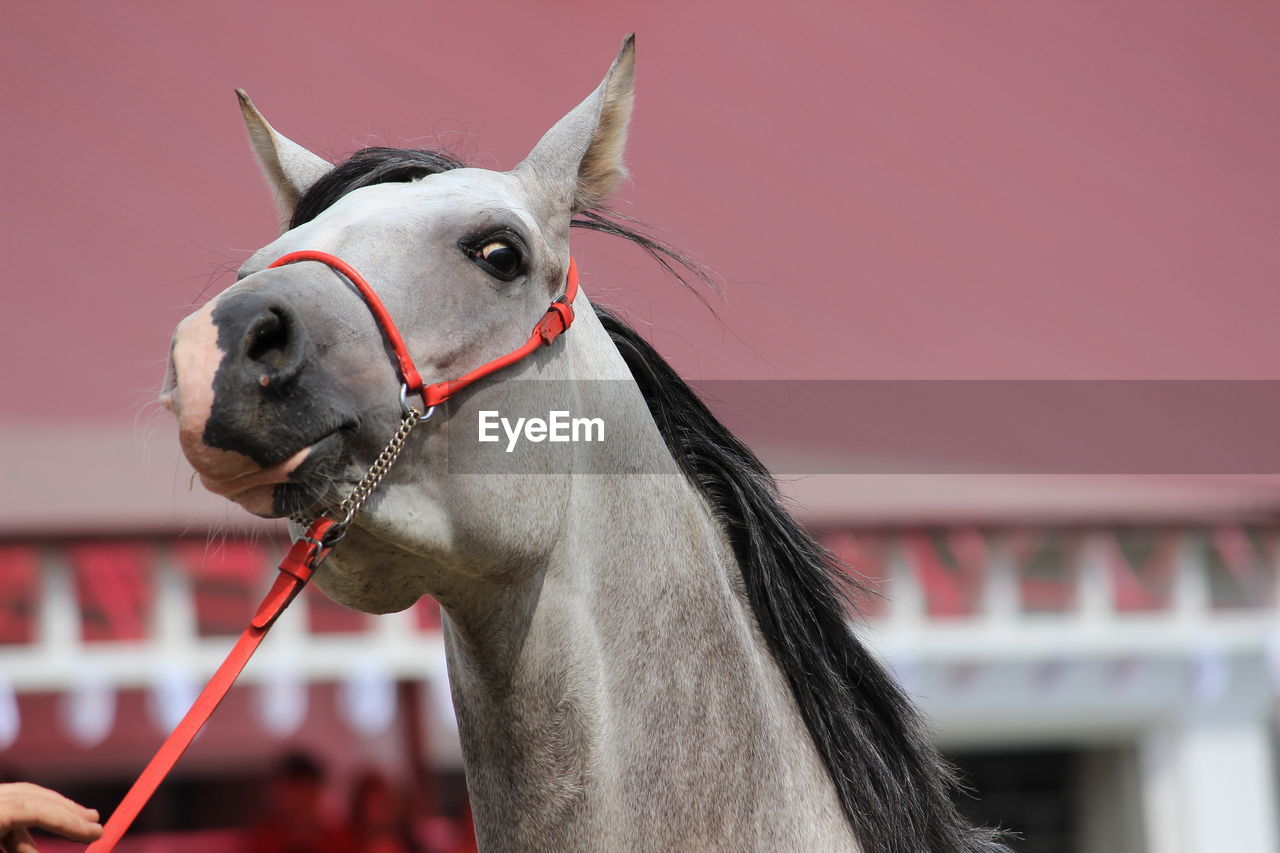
(1095, 624)
(980, 582)
(59, 656)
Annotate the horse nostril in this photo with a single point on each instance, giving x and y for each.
(262, 335)
(267, 341)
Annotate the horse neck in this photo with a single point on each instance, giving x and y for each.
(628, 667)
(556, 688)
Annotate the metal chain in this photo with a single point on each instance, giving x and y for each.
(352, 503)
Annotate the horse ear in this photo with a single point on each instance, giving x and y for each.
(288, 167)
(580, 158)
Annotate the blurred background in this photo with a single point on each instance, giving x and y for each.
(951, 196)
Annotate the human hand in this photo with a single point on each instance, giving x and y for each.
(23, 805)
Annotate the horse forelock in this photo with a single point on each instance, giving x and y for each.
(381, 165)
(367, 167)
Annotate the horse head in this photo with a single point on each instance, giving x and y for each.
(283, 386)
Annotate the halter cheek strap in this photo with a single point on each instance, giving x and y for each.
(323, 533)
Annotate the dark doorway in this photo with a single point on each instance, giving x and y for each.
(1031, 794)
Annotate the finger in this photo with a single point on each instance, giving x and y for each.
(20, 810)
(18, 841)
(23, 842)
(29, 789)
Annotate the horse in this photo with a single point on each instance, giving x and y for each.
(645, 650)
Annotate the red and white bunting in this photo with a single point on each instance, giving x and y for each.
(367, 700)
(281, 700)
(951, 567)
(173, 690)
(1273, 658)
(1210, 674)
(1142, 564)
(10, 718)
(88, 707)
(867, 557)
(1048, 569)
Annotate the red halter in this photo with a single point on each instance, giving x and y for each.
(559, 316)
(314, 545)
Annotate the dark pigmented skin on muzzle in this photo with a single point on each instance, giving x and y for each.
(309, 482)
(271, 398)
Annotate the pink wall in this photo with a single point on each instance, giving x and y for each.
(890, 189)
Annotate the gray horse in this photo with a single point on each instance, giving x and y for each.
(646, 651)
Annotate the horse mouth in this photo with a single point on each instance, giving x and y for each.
(301, 483)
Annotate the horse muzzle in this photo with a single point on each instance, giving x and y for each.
(253, 413)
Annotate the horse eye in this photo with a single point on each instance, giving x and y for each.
(502, 258)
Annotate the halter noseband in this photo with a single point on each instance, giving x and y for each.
(559, 316)
(324, 532)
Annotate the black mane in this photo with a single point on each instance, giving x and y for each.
(893, 785)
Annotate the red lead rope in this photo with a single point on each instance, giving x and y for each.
(306, 553)
(295, 570)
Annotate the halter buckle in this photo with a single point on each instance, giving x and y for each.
(559, 317)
